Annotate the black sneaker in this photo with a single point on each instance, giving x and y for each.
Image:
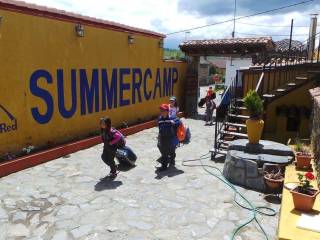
(172, 163)
(163, 167)
(113, 175)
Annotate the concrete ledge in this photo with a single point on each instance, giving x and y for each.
(289, 216)
(32, 160)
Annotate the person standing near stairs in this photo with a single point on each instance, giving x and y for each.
(210, 106)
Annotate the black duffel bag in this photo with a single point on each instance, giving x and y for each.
(126, 155)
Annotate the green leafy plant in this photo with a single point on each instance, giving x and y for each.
(254, 104)
(28, 149)
(304, 180)
(301, 148)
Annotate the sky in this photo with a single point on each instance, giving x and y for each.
(167, 16)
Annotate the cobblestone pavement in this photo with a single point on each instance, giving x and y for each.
(69, 199)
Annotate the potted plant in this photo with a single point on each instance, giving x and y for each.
(304, 195)
(273, 179)
(303, 155)
(255, 124)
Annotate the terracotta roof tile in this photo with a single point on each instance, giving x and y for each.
(263, 43)
(43, 11)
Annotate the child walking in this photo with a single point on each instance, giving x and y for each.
(112, 140)
(173, 107)
(167, 139)
(210, 106)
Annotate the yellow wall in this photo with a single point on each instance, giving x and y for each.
(275, 126)
(273, 79)
(29, 44)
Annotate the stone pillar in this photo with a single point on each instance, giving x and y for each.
(192, 86)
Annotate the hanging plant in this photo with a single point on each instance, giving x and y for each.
(281, 110)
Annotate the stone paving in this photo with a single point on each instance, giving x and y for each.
(69, 198)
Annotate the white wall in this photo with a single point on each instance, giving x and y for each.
(233, 65)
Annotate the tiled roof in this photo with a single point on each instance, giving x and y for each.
(42, 11)
(283, 45)
(229, 45)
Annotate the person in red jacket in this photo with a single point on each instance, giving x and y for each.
(210, 92)
(112, 140)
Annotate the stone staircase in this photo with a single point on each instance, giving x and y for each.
(232, 125)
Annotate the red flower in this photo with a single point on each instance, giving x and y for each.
(309, 176)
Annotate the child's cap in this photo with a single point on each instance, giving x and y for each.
(173, 98)
(164, 107)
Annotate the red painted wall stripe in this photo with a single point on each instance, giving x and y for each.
(32, 160)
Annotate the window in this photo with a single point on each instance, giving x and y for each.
(293, 124)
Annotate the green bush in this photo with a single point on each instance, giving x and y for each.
(254, 104)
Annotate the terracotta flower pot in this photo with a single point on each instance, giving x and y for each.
(303, 161)
(273, 183)
(303, 202)
(254, 130)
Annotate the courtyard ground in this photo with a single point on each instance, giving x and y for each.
(69, 198)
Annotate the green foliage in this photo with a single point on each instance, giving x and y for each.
(253, 103)
(304, 182)
(219, 87)
(28, 149)
(301, 148)
(173, 54)
(212, 70)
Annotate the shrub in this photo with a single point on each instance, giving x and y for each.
(254, 104)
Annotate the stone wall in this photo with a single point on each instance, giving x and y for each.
(315, 136)
(245, 163)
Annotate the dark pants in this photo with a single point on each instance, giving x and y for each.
(108, 156)
(167, 150)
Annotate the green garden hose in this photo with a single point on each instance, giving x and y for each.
(254, 210)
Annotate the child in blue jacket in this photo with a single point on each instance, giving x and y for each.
(167, 139)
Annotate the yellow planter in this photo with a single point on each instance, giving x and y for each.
(254, 130)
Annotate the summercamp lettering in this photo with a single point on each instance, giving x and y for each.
(98, 89)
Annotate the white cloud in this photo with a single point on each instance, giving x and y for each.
(163, 16)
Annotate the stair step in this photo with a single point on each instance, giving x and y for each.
(291, 84)
(240, 108)
(268, 95)
(280, 90)
(220, 141)
(301, 78)
(238, 116)
(235, 124)
(242, 135)
(239, 100)
(313, 72)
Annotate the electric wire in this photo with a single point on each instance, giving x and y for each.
(270, 26)
(262, 210)
(270, 35)
(242, 17)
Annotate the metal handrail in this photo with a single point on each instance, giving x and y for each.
(260, 81)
